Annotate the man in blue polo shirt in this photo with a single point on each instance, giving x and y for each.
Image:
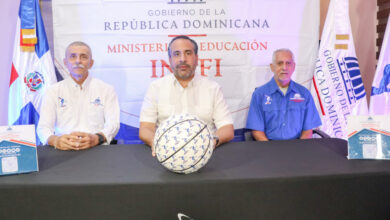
(282, 109)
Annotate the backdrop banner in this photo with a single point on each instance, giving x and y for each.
(129, 40)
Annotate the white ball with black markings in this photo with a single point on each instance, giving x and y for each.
(183, 143)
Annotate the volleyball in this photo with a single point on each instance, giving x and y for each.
(183, 143)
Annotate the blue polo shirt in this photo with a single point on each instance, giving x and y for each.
(280, 116)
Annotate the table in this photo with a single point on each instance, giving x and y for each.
(295, 179)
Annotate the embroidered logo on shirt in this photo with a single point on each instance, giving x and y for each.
(268, 100)
(62, 102)
(297, 98)
(97, 102)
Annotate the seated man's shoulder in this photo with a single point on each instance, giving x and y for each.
(262, 89)
(57, 86)
(163, 81)
(301, 88)
(206, 82)
(101, 84)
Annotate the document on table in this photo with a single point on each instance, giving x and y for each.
(369, 137)
(18, 151)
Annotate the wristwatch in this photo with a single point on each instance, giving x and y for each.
(216, 140)
(101, 139)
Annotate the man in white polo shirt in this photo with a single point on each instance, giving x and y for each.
(79, 112)
(185, 92)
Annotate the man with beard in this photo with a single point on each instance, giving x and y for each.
(184, 92)
(79, 112)
(282, 109)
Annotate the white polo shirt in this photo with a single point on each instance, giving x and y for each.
(68, 107)
(202, 97)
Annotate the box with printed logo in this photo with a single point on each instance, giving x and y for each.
(369, 137)
(18, 151)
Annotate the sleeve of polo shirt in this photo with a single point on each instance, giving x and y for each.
(111, 115)
(221, 114)
(47, 116)
(255, 120)
(149, 105)
(312, 118)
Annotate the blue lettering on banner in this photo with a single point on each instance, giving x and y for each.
(384, 85)
(339, 89)
(332, 97)
(349, 69)
(187, 23)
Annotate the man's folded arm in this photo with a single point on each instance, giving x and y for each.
(146, 132)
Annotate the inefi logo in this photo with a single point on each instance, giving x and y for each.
(349, 69)
(297, 98)
(181, 216)
(187, 2)
(34, 81)
(97, 102)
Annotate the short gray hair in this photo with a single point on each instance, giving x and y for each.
(79, 43)
(282, 50)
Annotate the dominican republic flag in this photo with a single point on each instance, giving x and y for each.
(380, 90)
(337, 84)
(32, 66)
